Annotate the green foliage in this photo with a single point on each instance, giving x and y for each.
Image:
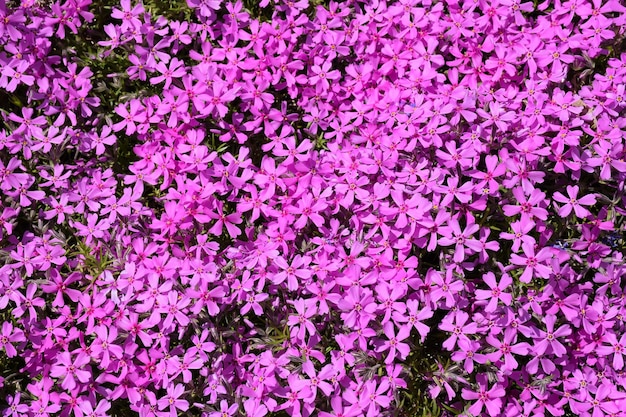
(170, 9)
(92, 264)
(423, 367)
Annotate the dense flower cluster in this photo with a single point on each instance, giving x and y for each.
(313, 210)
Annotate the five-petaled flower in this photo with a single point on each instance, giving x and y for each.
(573, 202)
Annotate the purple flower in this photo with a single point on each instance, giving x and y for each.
(548, 339)
(358, 307)
(455, 324)
(573, 202)
(468, 353)
(225, 410)
(70, 370)
(532, 262)
(496, 292)
(507, 348)
(99, 411)
(8, 336)
(520, 234)
(16, 408)
(617, 348)
(394, 344)
(300, 323)
(484, 397)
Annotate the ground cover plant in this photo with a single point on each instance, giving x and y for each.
(304, 208)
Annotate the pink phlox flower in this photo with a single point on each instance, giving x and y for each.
(15, 407)
(173, 401)
(292, 272)
(529, 206)
(322, 73)
(207, 7)
(448, 287)
(616, 347)
(497, 116)
(300, 322)
(70, 370)
(413, 317)
(130, 15)
(455, 323)
(388, 297)
(519, 173)
(339, 408)
(452, 191)
(174, 306)
(496, 292)
(100, 409)
(481, 245)
(520, 234)
(28, 303)
(507, 347)
(8, 336)
(533, 262)
(358, 307)
(453, 235)
(393, 344)
(468, 354)
(572, 201)
(483, 397)
(135, 113)
(308, 208)
(548, 339)
(229, 220)
(375, 397)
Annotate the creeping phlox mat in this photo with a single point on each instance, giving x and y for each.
(312, 208)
